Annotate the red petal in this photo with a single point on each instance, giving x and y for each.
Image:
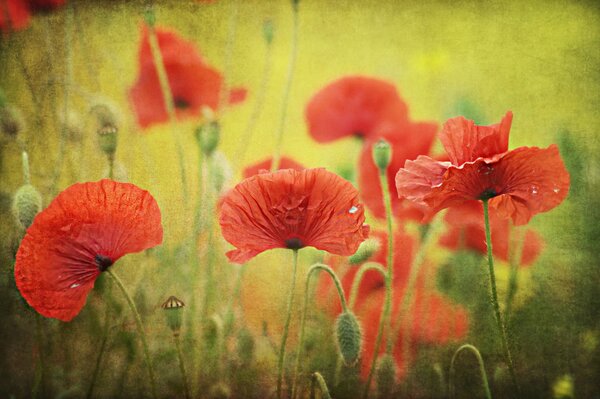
(465, 142)
(18, 15)
(418, 178)
(354, 105)
(56, 267)
(259, 167)
(312, 206)
(237, 95)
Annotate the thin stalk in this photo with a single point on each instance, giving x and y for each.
(140, 327)
(258, 106)
(286, 327)
(287, 89)
(386, 319)
(26, 172)
(111, 165)
(484, 380)
(168, 100)
(105, 334)
(182, 366)
(224, 90)
(515, 258)
(318, 380)
(338, 285)
(494, 298)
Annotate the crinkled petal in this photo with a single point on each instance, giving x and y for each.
(465, 142)
(418, 178)
(56, 267)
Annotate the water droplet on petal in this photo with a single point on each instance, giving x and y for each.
(534, 190)
(556, 190)
(353, 210)
(74, 285)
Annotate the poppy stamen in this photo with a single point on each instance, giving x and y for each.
(294, 243)
(487, 194)
(103, 262)
(181, 103)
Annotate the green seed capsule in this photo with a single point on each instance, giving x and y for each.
(364, 252)
(26, 204)
(208, 136)
(382, 154)
(174, 311)
(349, 338)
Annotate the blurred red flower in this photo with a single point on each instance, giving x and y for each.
(518, 183)
(265, 166)
(407, 142)
(466, 230)
(84, 230)
(194, 84)
(292, 209)
(354, 106)
(16, 14)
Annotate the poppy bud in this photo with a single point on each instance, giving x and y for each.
(208, 137)
(149, 17)
(106, 127)
(268, 31)
(349, 338)
(221, 172)
(366, 249)
(382, 155)
(11, 121)
(174, 310)
(386, 376)
(26, 204)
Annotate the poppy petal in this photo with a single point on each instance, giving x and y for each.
(416, 180)
(465, 142)
(14, 15)
(59, 257)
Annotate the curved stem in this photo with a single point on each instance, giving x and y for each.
(494, 297)
(484, 380)
(168, 100)
(287, 89)
(338, 285)
(365, 267)
(182, 366)
(390, 258)
(317, 379)
(140, 327)
(286, 327)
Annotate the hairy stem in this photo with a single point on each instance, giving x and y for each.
(484, 380)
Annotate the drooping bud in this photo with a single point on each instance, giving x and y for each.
(382, 154)
(26, 204)
(386, 376)
(268, 31)
(349, 338)
(365, 250)
(106, 128)
(318, 380)
(174, 311)
(207, 136)
(11, 122)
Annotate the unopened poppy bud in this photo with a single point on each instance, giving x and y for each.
(221, 171)
(349, 338)
(365, 250)
(382, 154)
(268, 31)
(149, 16)
(26, 204)
(106, 127)
(208, 137)
(386, 376)
(11, 122)
(174, 311)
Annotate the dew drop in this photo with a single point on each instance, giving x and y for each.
(534, 190)
(74, 285)
(556, 190)
(353, 210)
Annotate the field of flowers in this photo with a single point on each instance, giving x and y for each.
(299, 199)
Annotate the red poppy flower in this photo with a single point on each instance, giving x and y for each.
(292, 209)
(406, 142)
(45, 5)
(85, 229)
(194, 84)
(518, 183)
(466, 230)
(354, 106)
(14, 15)
(265, 166)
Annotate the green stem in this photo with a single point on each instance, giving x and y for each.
(515, 258)
(182, 366)
(494, 298)
(338, 285)
(317, 379)
(287, 89)
(105, 332)
(358, 279)
(26, 173)
(286, 327)
(484, 380)
(140, 327)
(111, 165)
(224, 90)
(165, 88)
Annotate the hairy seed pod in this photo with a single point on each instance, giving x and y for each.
(364, 252)
(349, 338)
(174, 309)
(27, 203)
(208, 136)
(386, 376)
(382, 154)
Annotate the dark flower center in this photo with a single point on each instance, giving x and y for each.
(294, 243)
(103, 262)
(181, 103)
(487, 194)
